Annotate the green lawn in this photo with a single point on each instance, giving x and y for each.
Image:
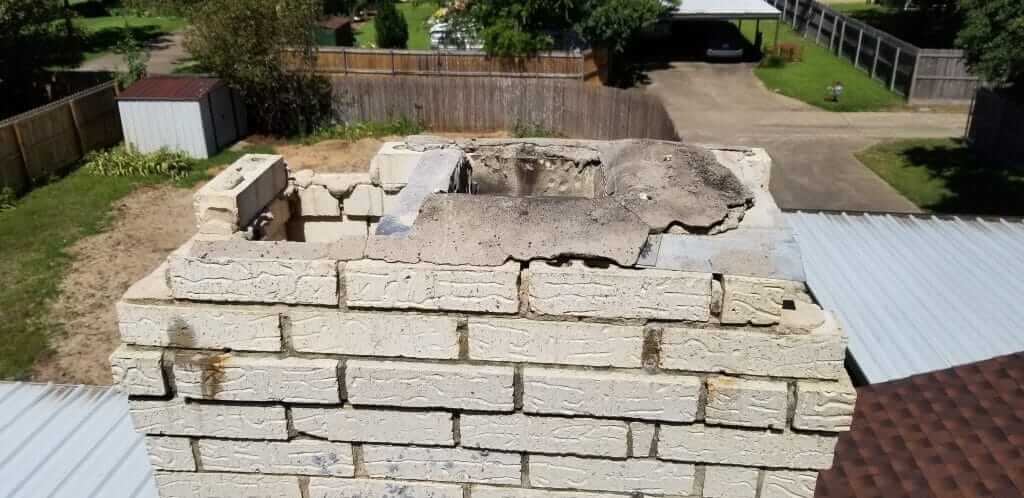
(103, 33)
(416, 15)
(809, 79)
(910, 26)
(34, 238)
(944, 176)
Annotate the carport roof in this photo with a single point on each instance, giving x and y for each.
(725, 10)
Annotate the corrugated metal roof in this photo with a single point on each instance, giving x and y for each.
(178, 88)
(70, 442)
(725, 9)
(917, 293)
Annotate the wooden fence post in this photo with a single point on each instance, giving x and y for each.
(895, 69)
(856, 58)
(78, 128)
(842, 39)
(832, 36)
(878, 49)
(821, 21)
(21, 150)
(913, 77)
(796, 12)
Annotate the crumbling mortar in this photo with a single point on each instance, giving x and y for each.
(760, 482)
(698, 480)
(524, 465)
(702, 400)
(304, 486)
(358, 461)
(194, 445)
(517, 388)
(457, 429)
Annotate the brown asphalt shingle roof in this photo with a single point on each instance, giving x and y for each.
(176, 88)
(954, 433)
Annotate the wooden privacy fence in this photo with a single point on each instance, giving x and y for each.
(570, 108)
(996, 129)
(559, 65)
(41, 142)
(919, 74)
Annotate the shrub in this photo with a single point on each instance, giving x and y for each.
(121, 161)
(392, 30)
(8, 197)
(773, 61)
(530, 129)
(135, 59)
(370, 129)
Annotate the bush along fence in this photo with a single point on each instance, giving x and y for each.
(45, 140)
(580, 66)
(996, 129)
(919, 74)
(567, 108)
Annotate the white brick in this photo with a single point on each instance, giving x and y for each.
(333, 231)
(644, 396)
(646, 476)
(340, 184)
(818, 355)
(375, 334)
(390, 202)
(138, 372)
(375, 426)
(200, 327)
(212, 485)
(522, 433)
(257, 378)
(170, 453)
(301, 457)
(578, 290)
(326, 487)
(177, 418)
(442, 464)
(316, 200)
(393, 165)
(365, 200)
(721, 445)
(377, 284)
(756, 300)
(730, 482)
(746, 403)
(428, 385)
(825, 406)
(241, 191)
(642, 435)
(500, 492)
(789, 484)
(570, 343)
(257, 280)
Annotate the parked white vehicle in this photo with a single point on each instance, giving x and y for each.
(444, 37)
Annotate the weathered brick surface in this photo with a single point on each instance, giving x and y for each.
(216, 485)
(569, 343)
(298, 457)
(619, 293)
(177, 418)
(730, 482)
(201, 327)
(789, 484)
(558, 435)
(241, 191)
(825, 406)
(316, 200)
(721, 445)
(377, 284)
(170, 453)
(256, 280)
(442, 464)
(640, 395)
(427, 385)
(642, 435)
(647, 476)
(257, 378)
(747, 403)
(374, 334)
(365, 200)
(138, 372)
(756, 300)
(818, 355)
(500, 492)
(327, 487)
(347, 232)
(375, 426)
(393, 165)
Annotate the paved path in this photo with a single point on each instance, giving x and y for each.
(165, 54)
(812, 149)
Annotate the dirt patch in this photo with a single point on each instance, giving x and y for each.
(148, 224)
(337, 156)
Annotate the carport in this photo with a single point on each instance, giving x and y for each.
(729, 10)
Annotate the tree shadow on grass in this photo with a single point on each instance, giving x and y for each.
(107, 39)
(975, 185)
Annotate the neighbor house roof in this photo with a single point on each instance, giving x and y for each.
(954, 433)
(70, 442)
(170, 88)
(725, 9)
(917, 293)
(334, 22)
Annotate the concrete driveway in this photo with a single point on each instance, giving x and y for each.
(165, 55)
(812, 149)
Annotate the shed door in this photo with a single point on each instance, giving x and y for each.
(223, 117)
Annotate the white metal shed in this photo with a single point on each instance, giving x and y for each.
(195, 115)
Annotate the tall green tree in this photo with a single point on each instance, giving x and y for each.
(391, 26)
(264, 48)
(33, 36)
(993, 40)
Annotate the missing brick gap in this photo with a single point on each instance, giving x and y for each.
(698, 480)
(788, 304)
(285, 329)
(790, 403)
(702, 400)
(304, 486)
(517, 388)
(194, 444)
(457, 429)
(629, 441)
(462, 331)
(358, 462)
(342, 386)
(717, 294)
(654, 441)
(651, 353)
